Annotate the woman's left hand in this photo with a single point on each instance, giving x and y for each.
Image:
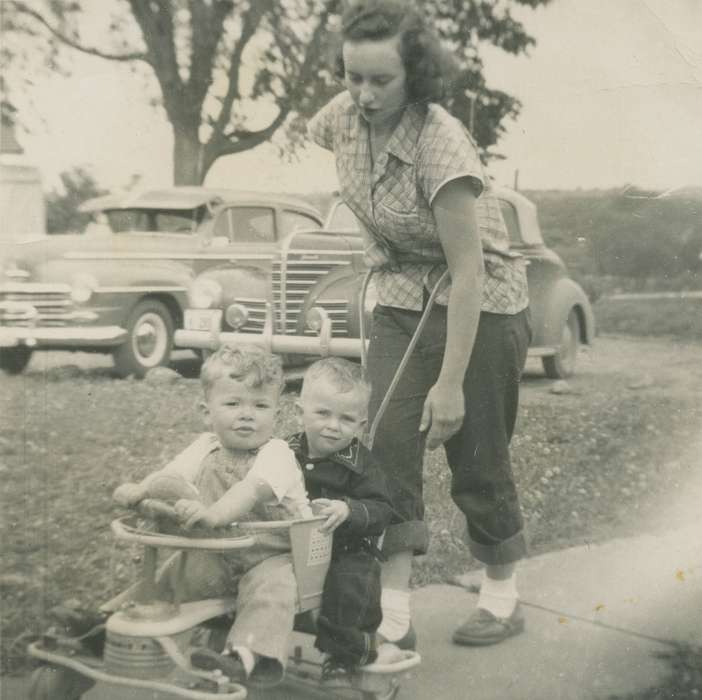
(442, 414)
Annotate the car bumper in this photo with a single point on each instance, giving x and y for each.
(61, 336)
(282, 344)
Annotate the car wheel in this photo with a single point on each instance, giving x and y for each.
(57, 683)
(562, 364)
(149, 339)
(14, 360)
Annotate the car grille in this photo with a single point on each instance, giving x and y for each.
(257, 315)
(298, 274)
(35, 304)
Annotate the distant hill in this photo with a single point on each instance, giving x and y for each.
(626, 233)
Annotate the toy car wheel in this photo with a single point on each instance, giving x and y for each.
(149, 339)
(562, 364)
(56, 683)
(14, 360)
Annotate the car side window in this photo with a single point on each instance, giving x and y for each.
(509, 214)
(295, 220)
(252, 224)
(222, 226)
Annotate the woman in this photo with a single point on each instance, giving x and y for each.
(412, 175)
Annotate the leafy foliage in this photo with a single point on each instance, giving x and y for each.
(610, 233)
(231, 74)
(62, 213)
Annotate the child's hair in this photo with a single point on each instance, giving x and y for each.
(246, 363)
(342, 374)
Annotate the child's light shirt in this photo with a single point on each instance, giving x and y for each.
(274, 463)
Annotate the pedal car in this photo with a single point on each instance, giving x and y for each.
(143, 649)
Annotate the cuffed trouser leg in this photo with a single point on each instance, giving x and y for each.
(350, 612)
(398, 445)
(483, 484)
(265, 609)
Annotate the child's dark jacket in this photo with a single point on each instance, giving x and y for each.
(350, 475)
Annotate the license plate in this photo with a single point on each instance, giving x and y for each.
(203, 320)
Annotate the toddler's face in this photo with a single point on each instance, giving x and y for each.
(241, 415)
(331, 420)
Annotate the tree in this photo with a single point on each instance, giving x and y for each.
(231, 73)
(62, 213)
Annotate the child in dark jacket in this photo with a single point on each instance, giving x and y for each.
(345, 485)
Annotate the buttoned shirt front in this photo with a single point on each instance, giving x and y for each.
(351, 475)
(392, 199)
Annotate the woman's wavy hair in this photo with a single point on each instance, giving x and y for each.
(427, 65)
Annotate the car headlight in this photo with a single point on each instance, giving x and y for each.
(316, 318)
(205, 294)
(236, 316)
(82, 288)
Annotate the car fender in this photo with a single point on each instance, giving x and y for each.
(343, 283)
(566, 295)
(120, 287)
(241, 282)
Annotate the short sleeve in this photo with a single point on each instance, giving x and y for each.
(447, 153)
(187, 463)
(276, 465)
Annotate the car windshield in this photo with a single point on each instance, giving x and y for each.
(157, 220)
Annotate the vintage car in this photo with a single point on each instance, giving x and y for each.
(311, 285)
(122, 286)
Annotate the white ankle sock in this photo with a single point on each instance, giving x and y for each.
(396, 613)
(498, 597)
(248, 658)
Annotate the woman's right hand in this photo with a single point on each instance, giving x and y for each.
(129, 494)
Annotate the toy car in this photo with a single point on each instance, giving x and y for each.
(146, 642)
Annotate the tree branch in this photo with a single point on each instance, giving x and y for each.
(251, 21)
(21, 8)
(240, 140)
(207, 22)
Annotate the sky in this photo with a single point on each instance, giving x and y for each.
(611, 93)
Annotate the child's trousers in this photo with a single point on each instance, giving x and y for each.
(266, 598)
(350, 613)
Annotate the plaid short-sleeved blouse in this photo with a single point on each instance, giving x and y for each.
(392, 199)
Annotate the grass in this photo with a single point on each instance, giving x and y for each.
(679, 318)
(586, 465)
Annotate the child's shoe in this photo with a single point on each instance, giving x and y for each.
(82, 625)
(229, 664)
(335, 673)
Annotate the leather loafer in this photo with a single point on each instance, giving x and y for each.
(483, 628)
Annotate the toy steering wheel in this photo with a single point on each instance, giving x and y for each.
(156, 509)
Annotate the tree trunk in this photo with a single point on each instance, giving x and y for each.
(187, 157)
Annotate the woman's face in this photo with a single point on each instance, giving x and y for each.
(376, 79)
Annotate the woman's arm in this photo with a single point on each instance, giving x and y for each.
(454, 211)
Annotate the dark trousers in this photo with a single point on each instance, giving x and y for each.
(350, 612)
(478, 455)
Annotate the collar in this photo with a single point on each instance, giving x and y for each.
(403, 140)
(349, 457)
